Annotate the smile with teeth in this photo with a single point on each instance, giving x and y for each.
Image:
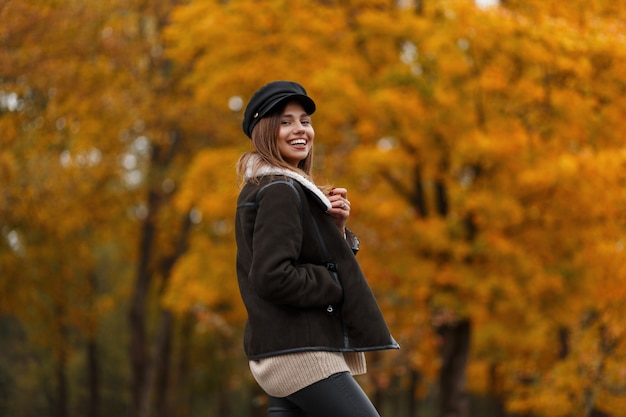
(297, 142)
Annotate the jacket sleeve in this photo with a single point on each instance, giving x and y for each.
(275, 273)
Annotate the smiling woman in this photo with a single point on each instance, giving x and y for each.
(311, 313)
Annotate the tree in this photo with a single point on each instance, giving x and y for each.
(505, 97)
(69, 132)
(481, 148)
(453, 110)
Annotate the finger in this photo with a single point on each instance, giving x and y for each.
(345, 204)
(339, 202)
(340, 209)
(336, 199)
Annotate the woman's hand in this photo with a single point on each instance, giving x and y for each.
(340, 210)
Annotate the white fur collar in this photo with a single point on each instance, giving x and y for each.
(306, 183)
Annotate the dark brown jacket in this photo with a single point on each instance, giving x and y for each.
(299, 279)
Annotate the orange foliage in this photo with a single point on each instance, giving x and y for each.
(512, 116)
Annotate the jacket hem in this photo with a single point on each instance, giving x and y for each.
(322, 349)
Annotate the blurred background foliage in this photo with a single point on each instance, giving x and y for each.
(482, 144)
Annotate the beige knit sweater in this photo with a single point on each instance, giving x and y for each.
(280, 376)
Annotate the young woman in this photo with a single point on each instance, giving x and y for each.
(311, 313)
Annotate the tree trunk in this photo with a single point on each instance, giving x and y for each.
(93, 365)
(93, 379)
(161, 363)
(495, 403)
(182, 394)
(419, 195)
(453, 400)
(416, 377)
(151, 372)
(156, 387)
(137, 315)
(60, 409)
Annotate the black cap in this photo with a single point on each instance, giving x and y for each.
(268, 97)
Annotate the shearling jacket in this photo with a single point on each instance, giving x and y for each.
(298, 276)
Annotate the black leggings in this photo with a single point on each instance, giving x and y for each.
(336, 396)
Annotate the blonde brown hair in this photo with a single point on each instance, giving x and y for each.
(266, 151)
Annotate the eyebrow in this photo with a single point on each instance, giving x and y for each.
(292, 116)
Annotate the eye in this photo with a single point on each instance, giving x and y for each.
(306, 122)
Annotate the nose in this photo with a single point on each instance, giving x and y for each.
(298, 127)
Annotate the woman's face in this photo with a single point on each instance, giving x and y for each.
(295, 136)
